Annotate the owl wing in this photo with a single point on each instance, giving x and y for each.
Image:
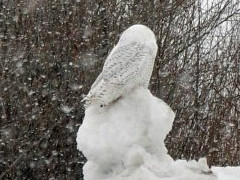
(96, 82)
(123, 62)
(124, 65)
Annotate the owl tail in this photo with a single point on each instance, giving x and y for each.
(96, 96)
(103, 94)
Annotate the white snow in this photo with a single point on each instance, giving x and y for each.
(227, 173)
(125, 141)
(66, 109)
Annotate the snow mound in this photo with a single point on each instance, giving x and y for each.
(227, 173)
(125, 141)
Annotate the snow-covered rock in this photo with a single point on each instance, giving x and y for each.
(125, 141)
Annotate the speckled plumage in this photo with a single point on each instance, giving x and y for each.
(128, 66)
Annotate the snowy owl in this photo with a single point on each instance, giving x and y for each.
(129, 65)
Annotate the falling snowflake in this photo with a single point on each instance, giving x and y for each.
(66, 109)
(76, 87)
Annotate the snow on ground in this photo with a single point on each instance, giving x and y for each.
(227, 173)
(125, 141)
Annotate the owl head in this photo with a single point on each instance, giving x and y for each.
(138, 33)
